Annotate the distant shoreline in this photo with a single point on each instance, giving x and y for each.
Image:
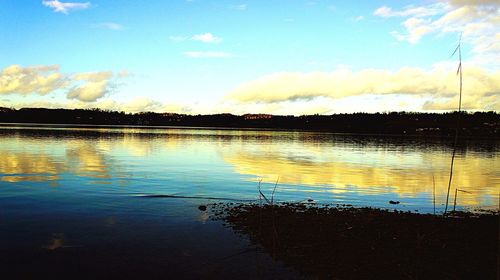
(473, 125)
(152, 127)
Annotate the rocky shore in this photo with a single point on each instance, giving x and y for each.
(364, 243)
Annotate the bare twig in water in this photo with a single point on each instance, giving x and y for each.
(459, 71)
(275, 238)
(455, 201)
(261, 195)
(275, 230)
(274, 190)
(434, 193)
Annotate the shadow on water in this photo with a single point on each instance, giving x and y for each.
(127, 238)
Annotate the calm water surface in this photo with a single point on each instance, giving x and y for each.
(77, 191)
(228, 164)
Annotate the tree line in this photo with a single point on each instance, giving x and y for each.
(476, 124)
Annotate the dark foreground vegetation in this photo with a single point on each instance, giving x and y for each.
(366, 243)
(478, 124)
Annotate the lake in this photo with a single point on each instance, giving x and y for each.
(132, 194)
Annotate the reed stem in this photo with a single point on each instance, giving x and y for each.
(434, 193)
(459, 71)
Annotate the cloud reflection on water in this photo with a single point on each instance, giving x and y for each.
(407, 177)
(339, 165)
(25, 160)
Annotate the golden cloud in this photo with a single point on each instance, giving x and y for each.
(42, 80)
(35, 79)
(439, 83)
(95, 85)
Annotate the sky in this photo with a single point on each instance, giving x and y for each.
(288, 57)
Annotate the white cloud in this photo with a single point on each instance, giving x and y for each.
(438, 83)
(477, 20)
(240, 7)
(475, 2)
(197, 54)
(413, 11)
(416, 27)
(65, 7)
(109, 25)
(358, 18)
(208, 38)
(383, 11)
(136, 105)
(141, 104)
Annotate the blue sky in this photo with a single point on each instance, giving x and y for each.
(282, 57)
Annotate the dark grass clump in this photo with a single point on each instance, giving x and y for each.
(366, 243)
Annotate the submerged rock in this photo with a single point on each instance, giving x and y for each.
(202, 208)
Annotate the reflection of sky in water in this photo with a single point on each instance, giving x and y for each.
(228, 163)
